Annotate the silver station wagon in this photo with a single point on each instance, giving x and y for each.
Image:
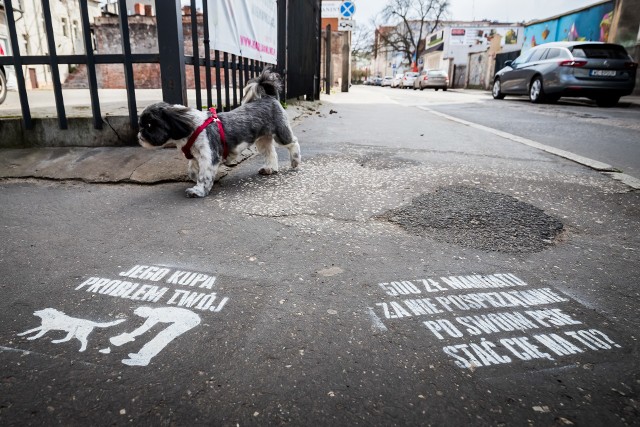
(600, 71)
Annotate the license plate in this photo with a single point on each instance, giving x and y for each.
(603, 73)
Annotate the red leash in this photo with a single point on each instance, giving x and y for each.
(213, 118)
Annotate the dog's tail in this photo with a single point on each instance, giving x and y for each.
(268, 83)
(109, 324)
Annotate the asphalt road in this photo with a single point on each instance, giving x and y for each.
(413, 271)
(609, 135)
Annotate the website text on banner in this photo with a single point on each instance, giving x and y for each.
(248, 28)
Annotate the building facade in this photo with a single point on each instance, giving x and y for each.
(67, 31)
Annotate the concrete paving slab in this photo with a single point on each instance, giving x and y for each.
(101, 164)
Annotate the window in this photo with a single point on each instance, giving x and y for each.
(599, 51)
(522, 58)
(75, 30)
(537, 54)
(65, 30)
(556, 53)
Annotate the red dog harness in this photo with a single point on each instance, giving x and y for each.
(213, 118)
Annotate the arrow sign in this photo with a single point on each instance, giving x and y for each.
(347, 9)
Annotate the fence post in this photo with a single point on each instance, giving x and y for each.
(171, 49)
(327, 62)
(346, 61)
(282, 45)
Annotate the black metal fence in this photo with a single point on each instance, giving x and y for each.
(172, 60)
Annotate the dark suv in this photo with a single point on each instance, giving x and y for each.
(601, 71)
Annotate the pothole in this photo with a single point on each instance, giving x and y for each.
(478, 219)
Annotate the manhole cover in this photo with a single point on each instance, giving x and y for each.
(474, 218)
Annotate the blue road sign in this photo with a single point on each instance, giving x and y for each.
(347, 9)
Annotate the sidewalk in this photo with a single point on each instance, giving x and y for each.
(114, 164)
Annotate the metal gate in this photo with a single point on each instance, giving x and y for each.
(459, 79)
(303, 49)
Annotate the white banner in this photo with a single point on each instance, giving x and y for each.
(330, 9)
(246, 28)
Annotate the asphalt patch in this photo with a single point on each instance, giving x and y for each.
(478, 219)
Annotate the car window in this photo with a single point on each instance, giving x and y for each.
(556, 53)
(537, 54)
(436, 73)
(552, 53)
(522, 58)
(599, 51)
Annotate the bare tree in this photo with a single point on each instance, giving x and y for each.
(407, 22)
(362, 40)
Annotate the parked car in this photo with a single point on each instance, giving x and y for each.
(386, 81)
(397, 80)
(377, 81)
(600, 71)
(432, 79)
(7, 78)
(408, 79)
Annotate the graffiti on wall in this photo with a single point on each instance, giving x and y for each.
(592, 24)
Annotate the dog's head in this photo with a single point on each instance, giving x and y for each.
(47, 313)
(161, 124)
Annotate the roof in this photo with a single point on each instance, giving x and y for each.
(567, 44)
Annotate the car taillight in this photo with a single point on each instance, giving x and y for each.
(632, 65)
(573, 63)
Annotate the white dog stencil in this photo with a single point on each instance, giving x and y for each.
(56, 320)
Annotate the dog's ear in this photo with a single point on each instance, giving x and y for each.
(178, 121)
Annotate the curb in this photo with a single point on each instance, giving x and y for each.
(113, 163)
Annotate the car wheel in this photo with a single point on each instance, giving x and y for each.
(436, 89)
(496, 91)
(536, 91)
(3, 87)
(607, 101)
(444, 89)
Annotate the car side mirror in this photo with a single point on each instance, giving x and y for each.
(508, 63)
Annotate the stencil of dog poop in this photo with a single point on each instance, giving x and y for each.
(180, 320)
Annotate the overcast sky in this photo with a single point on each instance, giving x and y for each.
(498, 10)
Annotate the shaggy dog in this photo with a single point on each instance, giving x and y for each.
(209, 138)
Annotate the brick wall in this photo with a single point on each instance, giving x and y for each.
(144, 39)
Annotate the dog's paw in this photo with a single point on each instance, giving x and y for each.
(267, 171)
(194, 192)
(295, 163)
